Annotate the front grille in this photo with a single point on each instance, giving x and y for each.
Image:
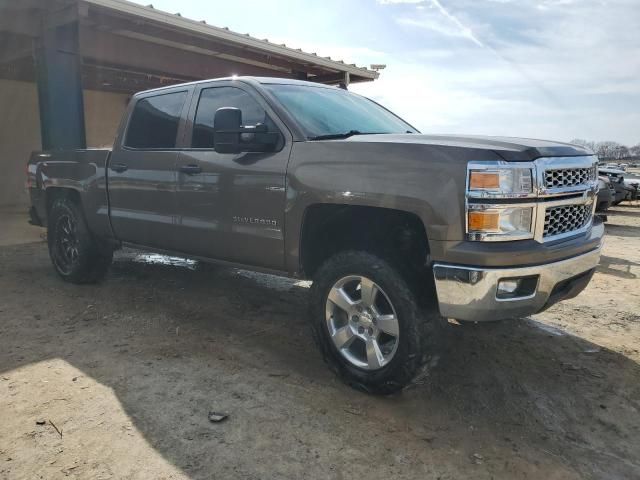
(569, 177)
(567, 218)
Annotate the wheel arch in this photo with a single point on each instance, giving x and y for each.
(55, 193)
(391, 233)
(51, 194)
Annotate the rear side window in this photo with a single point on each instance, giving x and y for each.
(211, 99)
(154, 122)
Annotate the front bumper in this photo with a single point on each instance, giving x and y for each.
(469, 293)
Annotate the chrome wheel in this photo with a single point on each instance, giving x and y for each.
(362, 322)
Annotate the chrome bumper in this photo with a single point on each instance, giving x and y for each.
(467, 293)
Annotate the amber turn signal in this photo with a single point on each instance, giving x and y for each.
(486, 221)
(484, 180)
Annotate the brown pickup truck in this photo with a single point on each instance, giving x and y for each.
(397, 230)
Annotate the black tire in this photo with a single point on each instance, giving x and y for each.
(74, 252)
(421, 330)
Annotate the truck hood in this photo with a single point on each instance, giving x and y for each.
(509, 148)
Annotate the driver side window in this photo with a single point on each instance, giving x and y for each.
(211, 99)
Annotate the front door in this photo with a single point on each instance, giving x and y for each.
(231, 206)
(142, 175)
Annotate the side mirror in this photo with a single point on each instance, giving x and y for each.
(227, 126)
(230, 136)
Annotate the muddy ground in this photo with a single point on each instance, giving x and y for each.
(128, 370)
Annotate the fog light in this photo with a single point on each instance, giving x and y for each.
(514, 288)
(508, 286)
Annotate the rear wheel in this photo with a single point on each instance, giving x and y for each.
(368, 325)
(74, 252)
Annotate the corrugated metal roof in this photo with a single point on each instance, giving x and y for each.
(224, 34)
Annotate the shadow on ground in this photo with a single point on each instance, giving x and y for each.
(175, 339)
(618, 267)
(622, 230)
(624, 213)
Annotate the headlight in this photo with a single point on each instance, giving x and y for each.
(495, 180)
(499, 222)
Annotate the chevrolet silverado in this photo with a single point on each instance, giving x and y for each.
(398, 230)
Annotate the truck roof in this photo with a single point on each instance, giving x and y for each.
(244, 79)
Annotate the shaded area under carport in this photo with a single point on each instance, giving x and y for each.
(114, 47)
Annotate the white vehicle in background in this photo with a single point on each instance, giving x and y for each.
(615, 166)
(626, 187)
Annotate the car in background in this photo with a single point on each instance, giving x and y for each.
(606, 194)
(633, 185)
(625, 189)
(615, 166)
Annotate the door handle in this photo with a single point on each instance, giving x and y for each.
(118, 167)
(191, 169)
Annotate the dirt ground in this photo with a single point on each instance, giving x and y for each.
(123, 374)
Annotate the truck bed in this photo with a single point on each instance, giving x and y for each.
(71, 172)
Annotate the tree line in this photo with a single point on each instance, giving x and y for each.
(609, 150)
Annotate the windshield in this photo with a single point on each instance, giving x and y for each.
(322, 111)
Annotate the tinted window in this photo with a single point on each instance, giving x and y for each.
(154, 122)
(329, 111)
(211, 99)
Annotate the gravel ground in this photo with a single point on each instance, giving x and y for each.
(116, 381)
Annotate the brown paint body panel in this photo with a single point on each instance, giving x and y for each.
(250, 208)
(233, 209)
(82, 171)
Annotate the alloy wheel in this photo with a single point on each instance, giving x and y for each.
(362, 322)
(67, 245)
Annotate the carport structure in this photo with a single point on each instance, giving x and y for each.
(71, 65)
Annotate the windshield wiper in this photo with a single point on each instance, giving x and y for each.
(342, 135)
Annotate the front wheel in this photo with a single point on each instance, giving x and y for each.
(74, 252)
(368, 324)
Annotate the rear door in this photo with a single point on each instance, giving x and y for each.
(231, 206)
(142, 176)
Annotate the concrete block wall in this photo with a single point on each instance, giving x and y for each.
(20, 131)
(19, 135)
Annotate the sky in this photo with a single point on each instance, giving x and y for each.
(551, 69)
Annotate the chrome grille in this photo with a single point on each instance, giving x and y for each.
(569, 177)
(566, 218)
